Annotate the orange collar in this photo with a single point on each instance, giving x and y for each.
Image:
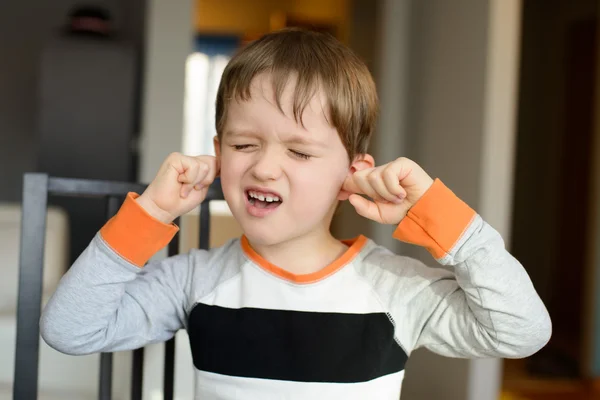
(355, 244)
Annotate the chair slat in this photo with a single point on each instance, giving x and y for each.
(106, 365)
(205, 226)
(106, 359)
(137, 374)
(169, 370)
(169, 364)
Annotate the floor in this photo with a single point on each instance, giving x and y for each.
(518, 385)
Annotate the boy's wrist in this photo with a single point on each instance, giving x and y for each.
(153, 210)
(135, 234)
(436, 221)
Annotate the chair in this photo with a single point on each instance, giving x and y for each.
(37, 188)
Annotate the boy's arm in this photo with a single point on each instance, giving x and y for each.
(487, 308)
(107, 301)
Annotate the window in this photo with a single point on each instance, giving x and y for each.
(203, 72)
(204, 68)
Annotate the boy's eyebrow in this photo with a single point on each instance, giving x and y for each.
(234, 132)
(296, 139)
(291, 139)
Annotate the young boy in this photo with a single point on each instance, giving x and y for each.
(288, 311)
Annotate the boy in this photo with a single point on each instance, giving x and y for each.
(288, 311)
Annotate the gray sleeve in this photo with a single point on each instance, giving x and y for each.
(491, 309)
(484, 305)
(104, 303)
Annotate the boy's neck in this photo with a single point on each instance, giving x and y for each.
(305, 254)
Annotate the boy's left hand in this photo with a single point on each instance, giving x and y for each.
(394, 188)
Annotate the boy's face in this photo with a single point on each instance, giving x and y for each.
(280, 179)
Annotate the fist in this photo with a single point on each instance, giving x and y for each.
(180, 186)
(393, 189)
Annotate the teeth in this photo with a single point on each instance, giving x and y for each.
(261, 197)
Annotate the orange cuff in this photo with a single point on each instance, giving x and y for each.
(134, 234)
(437, 221)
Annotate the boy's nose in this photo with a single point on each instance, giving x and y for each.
(267, 167)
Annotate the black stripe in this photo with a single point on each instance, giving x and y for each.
(293, 345)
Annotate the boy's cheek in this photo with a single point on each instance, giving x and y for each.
(226, 165)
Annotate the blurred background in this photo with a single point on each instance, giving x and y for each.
(498, 98)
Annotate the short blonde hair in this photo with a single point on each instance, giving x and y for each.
(317, 61)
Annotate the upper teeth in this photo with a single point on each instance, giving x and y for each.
(262, 197)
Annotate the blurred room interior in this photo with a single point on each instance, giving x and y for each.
(499, 98)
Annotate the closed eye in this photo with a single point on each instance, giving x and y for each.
(300, 155)
(241, 146)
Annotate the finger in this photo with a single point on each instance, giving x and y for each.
(197, 196)
(403, 170)
(380, 187)
(199, 173)
(209, 170)
(185, 190)
(186, 177)
(188, 170)
(365, 208)
(188, 188)
(362, 181)
(350, 184)
(392, 183)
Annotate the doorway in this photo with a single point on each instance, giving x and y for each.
(551, 218)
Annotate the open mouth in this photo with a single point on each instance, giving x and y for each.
(263, 200)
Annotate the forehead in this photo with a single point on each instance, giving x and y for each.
(262, 112)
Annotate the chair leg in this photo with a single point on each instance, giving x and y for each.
(31, 264)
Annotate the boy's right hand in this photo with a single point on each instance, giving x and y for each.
(180, 186)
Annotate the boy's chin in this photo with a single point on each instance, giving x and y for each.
(259, 237)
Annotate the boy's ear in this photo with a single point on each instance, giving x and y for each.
(360, 162)
(217, 144)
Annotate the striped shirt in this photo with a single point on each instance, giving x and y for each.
(258, 331)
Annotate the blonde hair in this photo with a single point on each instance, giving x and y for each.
(317, 61)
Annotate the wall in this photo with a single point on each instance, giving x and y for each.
(445, 119)
(460, 128)
(24, 28)
(169, 36)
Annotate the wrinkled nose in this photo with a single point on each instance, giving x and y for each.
(267, 167)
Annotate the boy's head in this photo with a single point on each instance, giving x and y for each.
(315, 61)
(294, 114)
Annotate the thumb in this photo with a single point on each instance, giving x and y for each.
(365, 208)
